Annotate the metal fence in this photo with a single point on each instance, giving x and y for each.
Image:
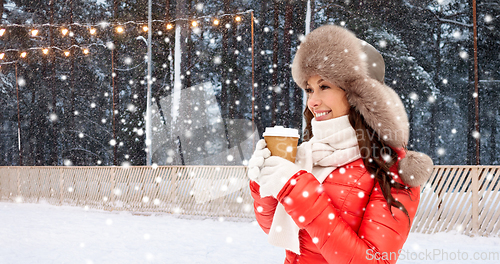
(461, 198)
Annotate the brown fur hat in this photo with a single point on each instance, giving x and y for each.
(338, 56)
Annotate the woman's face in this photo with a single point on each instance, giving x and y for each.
(325, 99)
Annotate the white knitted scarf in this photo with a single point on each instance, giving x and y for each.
(334, 144)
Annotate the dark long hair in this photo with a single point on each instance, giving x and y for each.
(377, 157)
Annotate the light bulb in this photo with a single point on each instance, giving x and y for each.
(45, 51)
(169, 26)
(119, 29)
(66, 53)
(64, 31)
(92, 31)
(24, 54)
(34, 32)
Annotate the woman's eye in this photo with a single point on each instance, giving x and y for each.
(308, 90)
(324, 87)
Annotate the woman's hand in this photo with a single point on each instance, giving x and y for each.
(275, 173)
(257, 160)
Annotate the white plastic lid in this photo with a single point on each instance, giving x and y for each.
(280, 131)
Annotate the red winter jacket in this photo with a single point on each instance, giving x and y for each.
(345, 221)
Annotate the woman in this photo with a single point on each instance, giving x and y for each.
(353, 191)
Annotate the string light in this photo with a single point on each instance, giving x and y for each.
(119, 29)
(92, 29)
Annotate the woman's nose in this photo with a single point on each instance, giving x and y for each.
(314, 100)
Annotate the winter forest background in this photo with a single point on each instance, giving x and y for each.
(73, 92)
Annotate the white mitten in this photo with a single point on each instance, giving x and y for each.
(257, 160)
(275, 172)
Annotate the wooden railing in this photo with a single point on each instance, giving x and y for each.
(461, 198)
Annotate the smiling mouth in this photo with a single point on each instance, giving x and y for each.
(322, 114)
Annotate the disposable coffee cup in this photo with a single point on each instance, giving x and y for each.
(282, 141)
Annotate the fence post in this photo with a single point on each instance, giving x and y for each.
(18, 184)
(61, 185)
(112, 194)
(475, 201)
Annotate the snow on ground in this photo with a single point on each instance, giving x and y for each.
(42, 233)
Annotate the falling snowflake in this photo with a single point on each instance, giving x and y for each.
(21, 82)
(463, 54)
(53, 117)
(441, 151)
(488, 18)
(489, 176)
(217, 60)
(382, 43)
(110, 45)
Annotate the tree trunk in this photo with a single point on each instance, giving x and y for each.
(72, 125)
(276, 42)
(259, 70)
(287, 61)
(55, 125)
(116, 97)
(437, 82)
(2, 2)
(472, 122)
